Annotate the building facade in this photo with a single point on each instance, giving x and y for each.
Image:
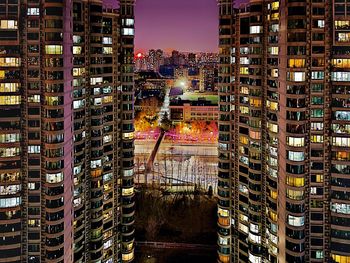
(66, 129)
(284, 137)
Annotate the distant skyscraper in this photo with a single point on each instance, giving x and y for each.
(66, 132)
(284, 142)
(206, 78)
(175, 57)
(192, 58)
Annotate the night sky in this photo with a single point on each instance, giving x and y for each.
(184, 25)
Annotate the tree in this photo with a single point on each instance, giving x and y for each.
(150, 107)
(165, 122)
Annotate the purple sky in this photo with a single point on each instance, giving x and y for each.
(185, 25)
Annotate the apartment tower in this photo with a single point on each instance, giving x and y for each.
(66, 125)
(284, 142)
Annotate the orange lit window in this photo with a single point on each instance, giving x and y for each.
(255, 102)
(296, 63)
(341, 259)
(96, 173)
(243, 140)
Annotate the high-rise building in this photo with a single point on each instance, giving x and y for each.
(192, 58)
(284, 122)
(66, 131)
(206, 78)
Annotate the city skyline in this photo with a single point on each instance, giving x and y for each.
(160, 26)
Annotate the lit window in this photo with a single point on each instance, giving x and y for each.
(128, 257)
(34, 149)
(342, 115)
(107, 138)
(77, 202)
(273, 50)
(77, 104)
(272, 105)
(341, 63)
(9, 137)
(243, 140)
(341, 258)
(241, 187)
(275, 5)
(10, 100)
(242, 51)
(342, 37)
(254, 238)
(107, 244)
(33, 11)
(295, 181)
(295, 194)
(107, 50)
(128, 173)
(34, 99)
(244, 61)
(108, 99)
(273, 194)
(272, 127)
(316, 139)
(8, 24)
(255, 102)
(317, 75)
(9, 87)
(77, 170)
(10, 189)
(78, 72)
(316, 126)
(274, 73)
(54, 178)
(10, 202)
(128, 22)
(127, 31)
(275, 16)
(320, 23)
(296, 76)
(274, 28)
(296, 63)
(107, 40)
(296, 156)
(96, 163)
(128, 136)
(244, 71)
(223, 240)
(97, 101)
(107, 177)
(9, 152)
(341, 76)
(254, 259)
(76, 50)
(127, 191)
(9, 62)
(244, 90)
(77, 39)
(341, 141)
(296, 141)
(243, 228)
(54, 49)
(96, 81)
(244, 110)
(342, 24)
(255, 29)
(316, 113)
(296, 220)
(340, 208)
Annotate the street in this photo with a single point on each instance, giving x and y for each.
(182, 165)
